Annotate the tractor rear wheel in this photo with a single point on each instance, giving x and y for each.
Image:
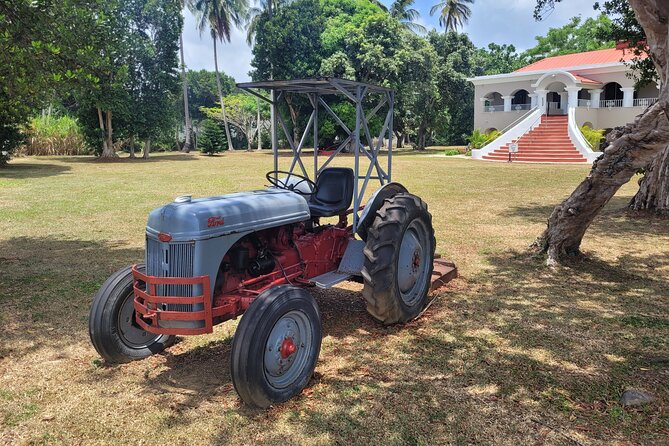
(276, 346)
(112, 327)
(399, 256)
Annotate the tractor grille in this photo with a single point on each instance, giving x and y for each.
(171, 260)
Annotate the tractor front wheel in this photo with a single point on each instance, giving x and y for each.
(276, 346)
(399, 256)
(112, 327)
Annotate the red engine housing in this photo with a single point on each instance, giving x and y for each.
(298, 255)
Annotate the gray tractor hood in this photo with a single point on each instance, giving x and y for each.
(195, 219)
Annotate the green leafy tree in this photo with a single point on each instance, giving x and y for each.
(212, 137)
(44, 49)
(243, 114)
(203, 90)
(453, 14)
(499, 59)
(576, 36)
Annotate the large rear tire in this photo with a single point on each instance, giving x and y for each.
(112, 327)
(276, 346)
(399, 256)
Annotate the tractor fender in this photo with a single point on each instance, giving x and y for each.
(374, 204)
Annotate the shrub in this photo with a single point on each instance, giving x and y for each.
(451, 152)
(479, 139)
(593, 136)
(212, 137)
(54, 135)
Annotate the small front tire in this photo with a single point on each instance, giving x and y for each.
(112, 327)
(276, 346)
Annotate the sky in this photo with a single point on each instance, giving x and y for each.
(498, 21)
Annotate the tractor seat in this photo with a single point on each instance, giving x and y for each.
(334, 192)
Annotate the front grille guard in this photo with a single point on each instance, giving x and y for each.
(151, 309)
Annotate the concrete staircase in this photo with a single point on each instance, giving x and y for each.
(549, 142)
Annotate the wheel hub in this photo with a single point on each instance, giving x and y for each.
(288, 348)
(413, 262)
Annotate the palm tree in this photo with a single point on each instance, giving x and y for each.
(452, 13)
(219, 16)
(407, 16)
(254, 14)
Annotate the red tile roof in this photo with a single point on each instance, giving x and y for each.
(585, 80)
(611, 55)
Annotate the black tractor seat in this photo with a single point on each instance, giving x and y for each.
(334, 192)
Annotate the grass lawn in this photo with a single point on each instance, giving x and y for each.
(510, 353)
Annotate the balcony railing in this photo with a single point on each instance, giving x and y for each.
(585, 103)
(494, 108)
(644, 102)
(500, 108)
(610, 103)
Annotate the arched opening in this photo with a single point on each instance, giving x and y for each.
(588, 124)
(556, 99)
(613, 92)
(520, 100)
(493, 102)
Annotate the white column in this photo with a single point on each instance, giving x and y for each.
(573, 96)
(507, 103)
(563, 100)
(595, 97)
(533, 100)
(628, 96)
(541, 99)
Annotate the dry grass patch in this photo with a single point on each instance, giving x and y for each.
(511, 353)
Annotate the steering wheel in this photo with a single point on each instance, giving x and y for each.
(273, 178)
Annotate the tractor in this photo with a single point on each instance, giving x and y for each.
(256, 254)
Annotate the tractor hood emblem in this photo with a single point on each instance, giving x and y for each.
(215, 221)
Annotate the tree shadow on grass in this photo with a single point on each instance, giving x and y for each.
(47, 286)
(126, 160)
(25, 171)
(612, 220)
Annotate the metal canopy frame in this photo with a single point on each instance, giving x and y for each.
(317, 90)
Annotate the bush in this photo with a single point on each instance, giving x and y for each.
(54, 135)
(212, 137)
(479, 139)
(593, 136)
(451, 152)
(10, 138)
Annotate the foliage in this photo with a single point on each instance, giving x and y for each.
(54, 135)
(453, 14)
(242, 112)
(406, 15)
(212, 137)
(478, 139)
(626, 28)
(451, 152)
(576, 36)
(202, 90)
(219, 16)
(43, 48)
(499, 59)
(593, 136)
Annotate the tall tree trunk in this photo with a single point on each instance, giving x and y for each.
(101, 121)
(108, 146)
(188, 129)
(258, 135)
(220, 96)
(294, 114)
(653, 194)
(629, 149)
(147, 149)
(132, 147)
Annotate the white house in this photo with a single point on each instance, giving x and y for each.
(541, 107)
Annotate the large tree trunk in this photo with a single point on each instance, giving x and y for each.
(629, 149)
(132, 147)
(220, 96)
(147, 149)
(653, 194)
(188, 130)
(108, 150)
